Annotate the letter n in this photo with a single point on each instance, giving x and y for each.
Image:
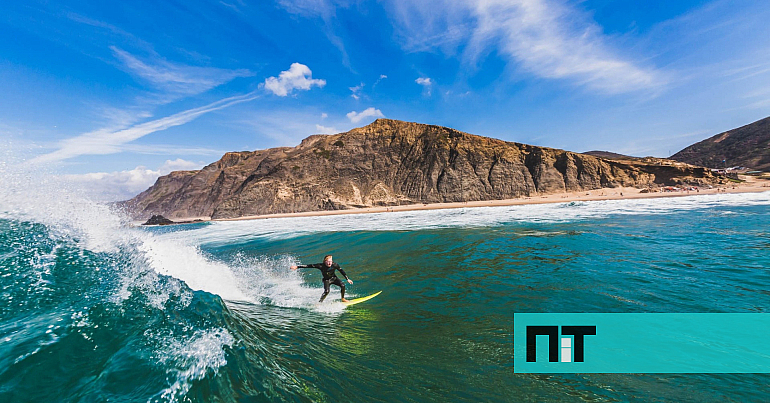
(553, 342)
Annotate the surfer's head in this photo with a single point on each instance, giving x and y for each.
(328, 260)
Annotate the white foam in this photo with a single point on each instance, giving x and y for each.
(221, 233)
(188, 264)
(192, 358)
(268, 280)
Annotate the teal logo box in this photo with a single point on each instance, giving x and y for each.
(641, 343)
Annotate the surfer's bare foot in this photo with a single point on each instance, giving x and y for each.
(344, 300)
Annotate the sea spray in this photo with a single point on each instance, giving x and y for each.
(80, 285)
(186, 262)
(81, 309)
(268, 280)
(190, 359)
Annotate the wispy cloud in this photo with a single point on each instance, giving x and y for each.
(234, 7)
(356, 117)
(382, 77)
(284, 127)
(110, 141)
(169, 149)
(112, 118)
(431, 24)
(546, 38)
(113, 30)
(298, 77)
(176, 80)
(356, 91)
(326, 10)
(761, 104)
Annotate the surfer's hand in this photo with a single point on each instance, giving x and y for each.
(350, 281)
(294, 267)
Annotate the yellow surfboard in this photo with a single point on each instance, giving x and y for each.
(362, 299)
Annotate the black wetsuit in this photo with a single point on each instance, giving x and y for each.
(329, 277)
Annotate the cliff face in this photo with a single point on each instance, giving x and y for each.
(747, 146)
(388, 162)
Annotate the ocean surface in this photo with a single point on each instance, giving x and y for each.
(93, 310)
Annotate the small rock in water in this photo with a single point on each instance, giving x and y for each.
(158, 220)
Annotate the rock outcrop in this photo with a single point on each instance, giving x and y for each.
(388, 162)
(158, 219)
(747, 146)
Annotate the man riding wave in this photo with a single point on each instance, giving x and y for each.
(327, 269)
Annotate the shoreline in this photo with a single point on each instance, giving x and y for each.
(621, 193)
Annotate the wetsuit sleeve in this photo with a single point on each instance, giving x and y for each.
(343, 272)
(307, 266)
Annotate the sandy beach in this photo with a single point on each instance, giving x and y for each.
(751, 185)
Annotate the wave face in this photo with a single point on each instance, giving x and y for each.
(92, 309)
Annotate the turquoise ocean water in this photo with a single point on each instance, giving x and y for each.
(94, 311)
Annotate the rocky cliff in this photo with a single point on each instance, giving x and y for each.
(747, 146)
(389, 162)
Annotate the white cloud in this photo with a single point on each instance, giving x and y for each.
(179, 165)
(325, 130)
(424, 81)
(110, 140)
(324, 116)
(356, 117)
(298, 77)
(122, 185)
(546, 38)
(176, 80)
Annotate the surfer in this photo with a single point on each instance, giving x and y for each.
(329, 277)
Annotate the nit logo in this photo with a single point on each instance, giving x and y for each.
(577, 333)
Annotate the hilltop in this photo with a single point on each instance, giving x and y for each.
(747, 146)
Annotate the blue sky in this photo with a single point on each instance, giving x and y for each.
(114, 94)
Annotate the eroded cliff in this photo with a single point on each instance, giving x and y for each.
(388, 162)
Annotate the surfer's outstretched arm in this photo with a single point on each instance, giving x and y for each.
(304, 266)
